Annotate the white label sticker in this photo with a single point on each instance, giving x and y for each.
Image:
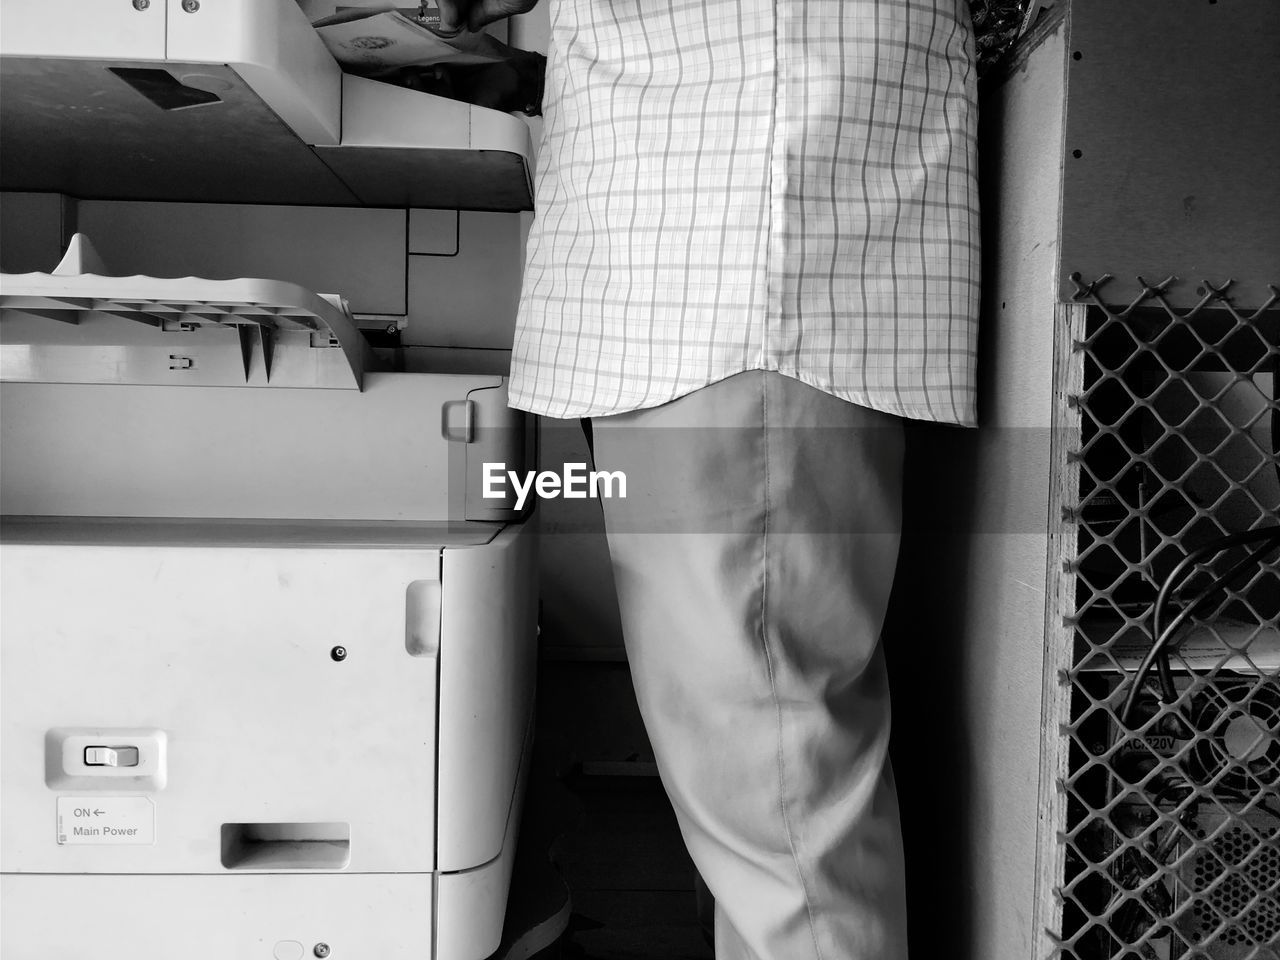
(106, 820)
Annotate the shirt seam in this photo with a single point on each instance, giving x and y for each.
(770, 281)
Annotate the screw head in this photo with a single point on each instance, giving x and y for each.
(190, 6)
(141, 4)
(321, 950)
(338, 654)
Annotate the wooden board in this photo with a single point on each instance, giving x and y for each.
(1171, 144)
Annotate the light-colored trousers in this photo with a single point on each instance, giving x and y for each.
(753, 555)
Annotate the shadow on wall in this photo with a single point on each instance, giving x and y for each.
(931, 746)
(579, 616)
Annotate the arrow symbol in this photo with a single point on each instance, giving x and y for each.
(98, 813)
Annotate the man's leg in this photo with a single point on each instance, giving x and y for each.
(753, 555)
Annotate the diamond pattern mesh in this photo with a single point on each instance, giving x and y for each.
(1171, 838)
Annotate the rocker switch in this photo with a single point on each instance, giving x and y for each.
(110, 756)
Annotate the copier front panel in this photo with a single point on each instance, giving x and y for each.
(216, 708)
(257, 685)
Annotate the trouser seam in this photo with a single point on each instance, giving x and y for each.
(768, 659)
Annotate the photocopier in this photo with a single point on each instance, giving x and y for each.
(266, 651)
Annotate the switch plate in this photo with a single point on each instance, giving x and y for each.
(105, 758)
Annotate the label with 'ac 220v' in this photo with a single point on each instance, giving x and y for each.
(106, 820)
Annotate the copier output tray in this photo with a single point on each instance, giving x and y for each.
(233, 101)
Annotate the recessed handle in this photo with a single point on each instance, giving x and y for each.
(422, 618)
(301, 845)
(458, 420)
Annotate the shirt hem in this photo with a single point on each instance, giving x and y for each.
(923, 411)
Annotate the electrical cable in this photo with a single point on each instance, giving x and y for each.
(1173, 582)
(1270, 537)
(1167, 689)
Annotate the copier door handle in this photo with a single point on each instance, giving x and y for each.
(422, 618)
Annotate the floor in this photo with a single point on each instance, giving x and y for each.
(611, 833)
(631, 882)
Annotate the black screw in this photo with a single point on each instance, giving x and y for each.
(1077, 154)
(1077, 55)
(190, 6)
(320, 949)
(339, 654)
(141, 4)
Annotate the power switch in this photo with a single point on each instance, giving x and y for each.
(110, 756)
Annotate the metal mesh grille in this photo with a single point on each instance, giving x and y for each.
(1226, 898)
(1171, 822)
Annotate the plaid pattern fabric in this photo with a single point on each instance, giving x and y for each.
(727, 185)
